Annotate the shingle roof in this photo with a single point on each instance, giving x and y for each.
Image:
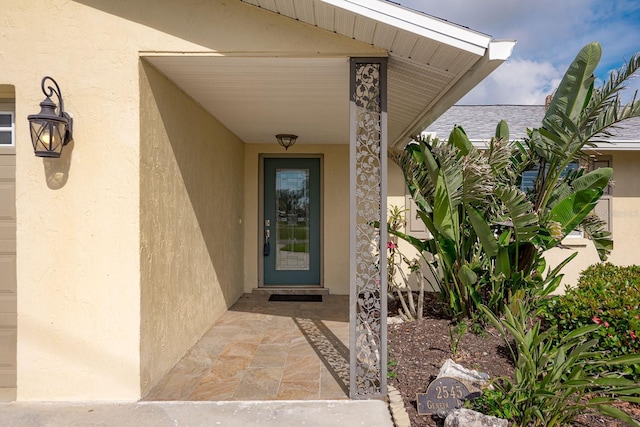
(479, 122)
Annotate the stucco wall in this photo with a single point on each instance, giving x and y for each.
(625, 209)
(191, 196)
(79, 263)
(335, 186)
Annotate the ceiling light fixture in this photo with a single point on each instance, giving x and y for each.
(286, 139)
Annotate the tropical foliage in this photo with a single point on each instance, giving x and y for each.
(487, 235)
(606, 295)
(552, 381)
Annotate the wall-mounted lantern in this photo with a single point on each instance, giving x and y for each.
(50, 131)
(286, 139)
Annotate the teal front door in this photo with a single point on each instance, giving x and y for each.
(291, 239)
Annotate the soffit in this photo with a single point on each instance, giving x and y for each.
(257, 98)
(432, 64)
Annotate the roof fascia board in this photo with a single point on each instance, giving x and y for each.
(498, 51)
(600, 146)
(417, 23)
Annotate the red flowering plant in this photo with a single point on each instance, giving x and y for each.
(399, 267)
(608, 296)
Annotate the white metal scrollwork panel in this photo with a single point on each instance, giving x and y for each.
(368, 243)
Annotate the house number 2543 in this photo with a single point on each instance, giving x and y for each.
(444, 392)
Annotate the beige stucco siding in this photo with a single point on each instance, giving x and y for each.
(625, 209)
(335, 185)
(191, 196)
(83, 299)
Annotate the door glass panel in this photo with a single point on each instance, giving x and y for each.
(292, 226)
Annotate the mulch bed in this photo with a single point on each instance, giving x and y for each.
(421, 347)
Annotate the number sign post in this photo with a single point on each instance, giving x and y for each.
(443, 396)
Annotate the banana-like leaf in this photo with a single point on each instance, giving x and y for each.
(428, 162)
(448, 252)
(598, 178)
(541, 146)
(502, 130)
(445, 215)
(483, 231)
(559, 193)
(503, 263)
(467, 276)
(458, 138)
(576, 86)
(571, 211)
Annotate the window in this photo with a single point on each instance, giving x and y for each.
(6, 129)
(603, 208)
(414, 225)
(528, 179)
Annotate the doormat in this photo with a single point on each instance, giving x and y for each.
(295, 298)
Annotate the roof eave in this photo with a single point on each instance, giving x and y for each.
(417, 23)
(497, 52)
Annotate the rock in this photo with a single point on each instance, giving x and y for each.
(472, 379)
(469, 418)
(394, 320)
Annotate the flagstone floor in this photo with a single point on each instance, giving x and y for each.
(262, 350)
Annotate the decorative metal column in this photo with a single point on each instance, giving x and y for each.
(368, 245)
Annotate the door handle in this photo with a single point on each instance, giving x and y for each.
(267, 247)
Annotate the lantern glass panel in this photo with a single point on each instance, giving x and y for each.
(48, 137)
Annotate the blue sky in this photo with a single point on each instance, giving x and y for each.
(549, 34)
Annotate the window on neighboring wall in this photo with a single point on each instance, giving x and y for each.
(604, 206)
(529, 177)
(6, 129)
(414, 225)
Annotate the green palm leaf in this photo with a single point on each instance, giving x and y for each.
(575, 88)
(596, 230)
(520, 211)
(483, 231)
(598, 178)
(572, 210)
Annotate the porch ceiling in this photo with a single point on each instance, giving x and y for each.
(432, 64)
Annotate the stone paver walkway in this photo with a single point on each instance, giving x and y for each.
(262, 350)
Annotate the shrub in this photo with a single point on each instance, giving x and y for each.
(552, 384)
(606, 295)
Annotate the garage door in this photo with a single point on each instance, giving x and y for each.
(8, 281)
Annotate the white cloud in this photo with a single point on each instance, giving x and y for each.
(516, 82)
(549, 33)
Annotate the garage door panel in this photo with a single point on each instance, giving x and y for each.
(8, 282)
(7, 276)
(7, 238)
(7, 353)
(7, 193)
